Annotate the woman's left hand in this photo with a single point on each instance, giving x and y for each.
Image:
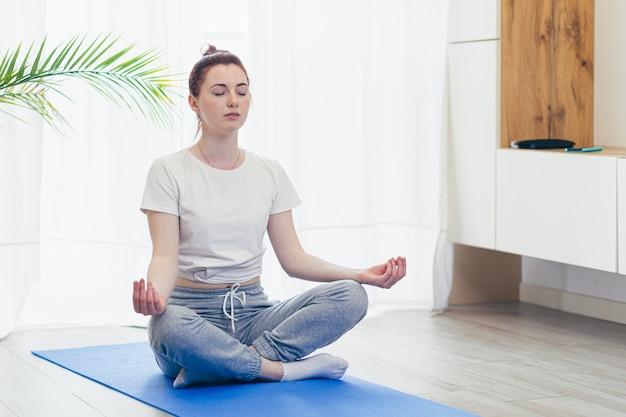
(384, 275)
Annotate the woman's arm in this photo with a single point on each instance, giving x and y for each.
(150, 299)
(299, 264)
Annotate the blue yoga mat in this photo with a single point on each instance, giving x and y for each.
(131, 370)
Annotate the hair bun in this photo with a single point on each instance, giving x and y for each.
(207, 49)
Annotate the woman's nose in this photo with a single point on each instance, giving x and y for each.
(232, 100)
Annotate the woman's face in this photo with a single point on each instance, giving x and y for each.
(223, 101)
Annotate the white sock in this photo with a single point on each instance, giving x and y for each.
(322, 366)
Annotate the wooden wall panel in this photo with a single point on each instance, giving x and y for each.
(547, 70)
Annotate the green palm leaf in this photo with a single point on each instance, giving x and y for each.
(132, 81)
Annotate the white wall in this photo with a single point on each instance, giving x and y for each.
(609, 68)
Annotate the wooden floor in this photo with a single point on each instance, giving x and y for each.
(493, 360)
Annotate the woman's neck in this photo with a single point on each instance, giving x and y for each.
(221, 154)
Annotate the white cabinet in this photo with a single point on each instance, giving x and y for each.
(562, 207)
(621, 215)
(474, 126)
(473, 20)
(473, 74)
(557, 206)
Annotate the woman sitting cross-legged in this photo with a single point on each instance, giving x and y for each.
(208, 208)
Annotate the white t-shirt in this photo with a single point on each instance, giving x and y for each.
(223, 214)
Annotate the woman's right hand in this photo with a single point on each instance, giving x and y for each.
(146, 299)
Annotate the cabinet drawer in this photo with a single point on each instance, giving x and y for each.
(557, 206)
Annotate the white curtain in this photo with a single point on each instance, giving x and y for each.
(348, 95)
(92, 239)
(20, 180)
(355, 107)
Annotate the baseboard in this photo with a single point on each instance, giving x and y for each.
(584, 305)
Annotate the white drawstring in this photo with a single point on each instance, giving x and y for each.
(233, 295)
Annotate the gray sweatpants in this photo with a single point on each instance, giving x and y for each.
(209, 331)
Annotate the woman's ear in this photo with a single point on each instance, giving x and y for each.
(193, 103)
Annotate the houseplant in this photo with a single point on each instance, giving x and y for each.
(33, 76)
(28, 76)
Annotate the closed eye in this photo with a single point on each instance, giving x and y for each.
(242, 89)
